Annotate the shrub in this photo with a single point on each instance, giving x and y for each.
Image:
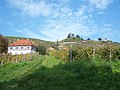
(3, 44)
(41, 49)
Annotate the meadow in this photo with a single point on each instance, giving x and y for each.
(49, 73)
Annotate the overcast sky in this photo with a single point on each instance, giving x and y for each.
(54, 19)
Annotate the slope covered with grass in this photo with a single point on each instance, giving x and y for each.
(48, 73)
(36, 42)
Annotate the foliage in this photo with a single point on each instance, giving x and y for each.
(88, 53)
(41, 49)
(62, 54)
(77, 36)
(99, 39)
(73, 39)
(3, 44)
(48, 73)
(6, 58)
(88, 38)
(69, 35)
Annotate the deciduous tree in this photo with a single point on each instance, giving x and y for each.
(3, 44)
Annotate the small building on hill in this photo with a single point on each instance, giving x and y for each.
(23, 46)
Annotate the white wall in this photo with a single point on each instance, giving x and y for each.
(21, 49)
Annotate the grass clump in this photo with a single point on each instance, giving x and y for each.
(48, 73)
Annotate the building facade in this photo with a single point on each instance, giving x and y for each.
(22, 46)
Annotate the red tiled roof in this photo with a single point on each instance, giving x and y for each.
(22, 42)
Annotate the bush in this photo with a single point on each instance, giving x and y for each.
(41, 49)
(3, 44)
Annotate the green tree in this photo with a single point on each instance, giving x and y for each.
(57, 41)
(41, 49)
(99, 39)
(3, 44)
(77, 36)
(88, 38)
(69, 35)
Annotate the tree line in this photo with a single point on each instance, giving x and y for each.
(72, 35)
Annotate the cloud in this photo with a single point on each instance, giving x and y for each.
(100, 4)
(27, 32)
(101, 12)
(19, 31)
(30, 33)
(61, 19)
(59, 29)
(32, 8)
(81, 11)
(107, 25)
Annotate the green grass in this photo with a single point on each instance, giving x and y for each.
(72, 40)
(48, 73)
(36, 42)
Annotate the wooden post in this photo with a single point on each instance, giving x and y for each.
(16, 59)
(110, 55)
(2, 62)
(71, 53)
(94, 52)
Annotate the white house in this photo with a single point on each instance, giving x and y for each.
(22, 46)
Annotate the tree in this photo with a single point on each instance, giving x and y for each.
(88, 38)
(69, 35)
(3, 44)
(41, 49)
(57, 41)
(77, 36)
(73, 35)
(99, 39)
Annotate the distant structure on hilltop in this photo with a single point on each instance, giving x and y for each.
(23, 46)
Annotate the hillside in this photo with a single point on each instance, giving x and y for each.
(86, 43)
(35, 41)
(48, 73)
(80, 41)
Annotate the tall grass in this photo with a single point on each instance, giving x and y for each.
(48, 73)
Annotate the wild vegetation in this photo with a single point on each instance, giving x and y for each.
(3, 44)
(106, 52)
(41, 49)
(49, 73)
(6, 58)
(95, 66)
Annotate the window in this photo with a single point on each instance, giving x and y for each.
(16, 48)
(11, 48)
(21, 47)
(27, 47)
